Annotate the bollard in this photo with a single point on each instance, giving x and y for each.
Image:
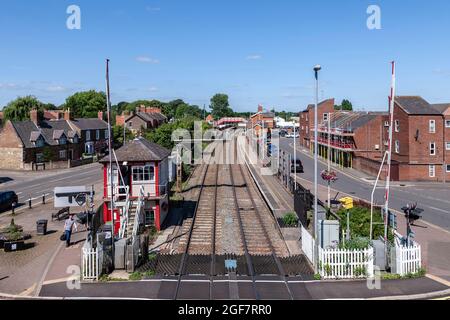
(29, 203)
(13, 207)
(43, 198)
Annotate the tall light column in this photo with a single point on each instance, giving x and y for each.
(317, 68)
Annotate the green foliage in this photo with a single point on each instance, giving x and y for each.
(290, 219)
(220, 106)
(360, 222)
(317, 276)
(360, 271)
(136, 276)
(86, 104)
(356, 243)
(149, 273)
(346, 105)
(48, 154)
(117, 134)
(19, 109)
(163, 134)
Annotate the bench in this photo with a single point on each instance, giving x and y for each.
(61, 214)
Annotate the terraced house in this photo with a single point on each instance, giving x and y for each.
(420, 145)
(49, 144)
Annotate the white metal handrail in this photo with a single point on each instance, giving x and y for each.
(140, 207)
(125, 216)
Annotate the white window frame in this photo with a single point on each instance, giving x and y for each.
(97, 134)
(90, 143)
(447, 123)
(397, 146)
(325, 117)
(432, 171)
(447, 167)
(106, 133)
(397, 125)
(88, 135)
(432, 148)
(143, 174)
(432, 126)
(62, 154)
(447, 146)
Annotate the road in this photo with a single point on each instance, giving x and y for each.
(35, 184)
(434, 198)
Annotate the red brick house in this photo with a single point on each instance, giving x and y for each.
(145, 118)
(324, 109)
(142, 175)
(418, 140)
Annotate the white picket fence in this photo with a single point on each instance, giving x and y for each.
(408, 259)
(346, 263)
(308, 245)
(90, 262)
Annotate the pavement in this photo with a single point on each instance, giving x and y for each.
(434, 240)
(433, 197)
(33, 184)
(268, 288)
(23, 272)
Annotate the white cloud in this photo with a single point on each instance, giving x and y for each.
(145, 59)
(153, 89)
(56, 89)
(254, 57)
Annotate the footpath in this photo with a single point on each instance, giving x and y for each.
(23, 273)
(434, 241)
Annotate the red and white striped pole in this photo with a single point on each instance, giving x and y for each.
(389, 159)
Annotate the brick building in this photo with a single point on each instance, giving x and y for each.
(421, 139)
(324, 108)
(145, 118)
(50, 144)
(28, 145)
(262, 119)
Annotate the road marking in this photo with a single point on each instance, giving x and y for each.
(47, 268)
(438, 279)
(393, 210)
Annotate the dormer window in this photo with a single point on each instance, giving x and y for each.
(63, 140)
(39, 142)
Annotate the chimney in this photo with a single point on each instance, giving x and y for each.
(34, 116)
(100, 115)
(260, 108)
(142, 108)
(67, 115)
(138, 109)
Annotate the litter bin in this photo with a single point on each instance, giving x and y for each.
(41, 227)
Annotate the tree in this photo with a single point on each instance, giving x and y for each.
(86, 104)
(346, 105)
(220, 107)
(19, 109)
(117, 135)
(184, 110)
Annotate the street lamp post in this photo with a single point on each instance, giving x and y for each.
(317, 68)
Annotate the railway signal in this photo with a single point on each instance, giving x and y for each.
(412, 214)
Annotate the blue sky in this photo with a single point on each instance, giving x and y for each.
(256, 51)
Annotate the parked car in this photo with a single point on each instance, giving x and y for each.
(7, 199)
(298, 167)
